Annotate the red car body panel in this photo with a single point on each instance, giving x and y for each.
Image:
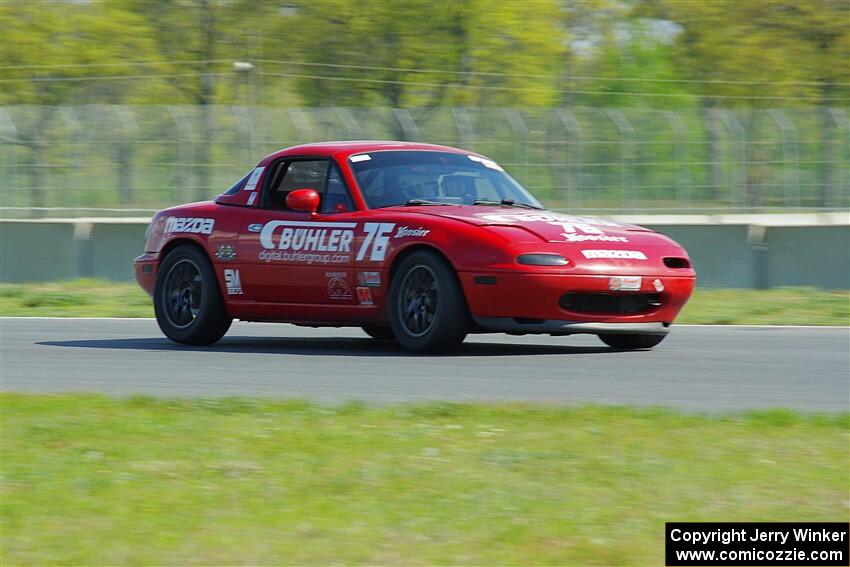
(340, 274)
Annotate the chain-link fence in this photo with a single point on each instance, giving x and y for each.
(104, 160)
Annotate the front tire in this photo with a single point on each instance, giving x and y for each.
(428, 312)
(187, 299)
(631, 342)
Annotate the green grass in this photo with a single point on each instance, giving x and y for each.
(74, 298)
(782, 306)
(95, 480)
(91, 480)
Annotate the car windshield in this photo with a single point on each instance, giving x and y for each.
(399, 177)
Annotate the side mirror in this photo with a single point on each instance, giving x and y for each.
(306, 200)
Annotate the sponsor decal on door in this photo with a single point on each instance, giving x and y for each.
(369, 279)
(322, 242)
(364, 295)
(307, 242)
(338, 288)
(232, 282)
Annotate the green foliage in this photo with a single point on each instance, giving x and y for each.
(45, 45)
(795, 49)
(634, 66)
(453, 44)
(420, 53)
(517, 49)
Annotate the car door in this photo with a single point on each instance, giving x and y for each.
(295, 257)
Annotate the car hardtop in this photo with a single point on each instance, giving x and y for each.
(343, 149)
(338, 150)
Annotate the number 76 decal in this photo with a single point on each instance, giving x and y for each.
(377, 237)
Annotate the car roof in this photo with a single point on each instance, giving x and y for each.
(344, 149)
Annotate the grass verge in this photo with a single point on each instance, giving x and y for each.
(74, 298)
(95, 480)
(782, 306)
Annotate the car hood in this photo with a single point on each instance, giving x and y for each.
(551, 226)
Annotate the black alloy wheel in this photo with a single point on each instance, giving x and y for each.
(428, 312)
(187, 299)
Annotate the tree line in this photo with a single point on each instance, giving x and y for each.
(427, 53)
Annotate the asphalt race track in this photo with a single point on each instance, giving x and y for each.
(697, 368)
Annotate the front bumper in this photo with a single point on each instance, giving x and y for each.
(145, 267)
(559, 327)
(535, 300)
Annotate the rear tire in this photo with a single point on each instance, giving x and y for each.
(380, 332)
(187, 299)
(428, 312)
(631, 342)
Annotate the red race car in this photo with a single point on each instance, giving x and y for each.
(418, 243)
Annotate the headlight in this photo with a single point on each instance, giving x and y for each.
(542, 260)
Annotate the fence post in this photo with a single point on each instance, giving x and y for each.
(299, 120)
(408, 125)
(715, 133)
(10, 156)
(575, 185)
(38, 146)
(839, 116)
(69, 117)
(680, 151)
(184, 146)
(788, 133)
(465, 130)
(520, 141)
(125, 153)
(627, 135)
(352, 128)
(736, 189)
(243, 118)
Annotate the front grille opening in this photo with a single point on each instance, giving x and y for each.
(610, 303)
(677, 263)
